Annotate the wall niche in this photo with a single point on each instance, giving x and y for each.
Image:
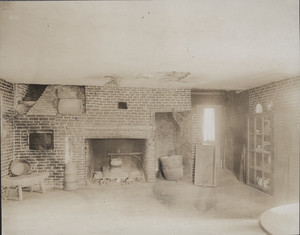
(41, 140)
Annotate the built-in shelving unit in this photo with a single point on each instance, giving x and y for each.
(260, 153)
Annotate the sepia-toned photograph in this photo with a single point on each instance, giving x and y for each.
(146, 117)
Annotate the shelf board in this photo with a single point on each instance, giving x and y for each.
(263, 170)
(256, 168)
(260, 134)
(260, 160)
(264, 152)
(269, 171)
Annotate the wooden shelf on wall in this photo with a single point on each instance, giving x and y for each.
(260, 154)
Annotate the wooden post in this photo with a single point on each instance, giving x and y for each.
(20, 192)
(43, 186)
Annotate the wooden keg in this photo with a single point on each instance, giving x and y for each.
(71, 178)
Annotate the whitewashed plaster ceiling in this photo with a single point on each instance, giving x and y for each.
(212, 44)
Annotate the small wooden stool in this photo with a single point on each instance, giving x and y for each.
(23, 181)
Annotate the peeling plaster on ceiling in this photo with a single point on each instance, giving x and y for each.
(164, 76)
(220, 45)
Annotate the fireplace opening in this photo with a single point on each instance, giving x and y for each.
(119, 160)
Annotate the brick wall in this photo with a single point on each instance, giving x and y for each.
(284, 94)
(101, 119)
(7, 109)
(20, 92)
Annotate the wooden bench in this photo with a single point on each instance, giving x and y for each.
(20, 182)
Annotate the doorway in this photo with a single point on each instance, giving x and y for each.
(211, 128)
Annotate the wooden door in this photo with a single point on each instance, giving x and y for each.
(205, 168)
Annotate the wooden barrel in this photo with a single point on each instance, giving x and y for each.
(173, 174)
(173, 161)
(70, 182)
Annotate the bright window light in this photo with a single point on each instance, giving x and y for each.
(209, 125)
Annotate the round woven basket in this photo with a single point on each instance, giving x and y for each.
(20, 167)
(171, 161)
(173, 174)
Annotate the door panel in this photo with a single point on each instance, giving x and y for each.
(205, 169)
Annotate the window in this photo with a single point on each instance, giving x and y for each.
(41, 140)
(209, 125)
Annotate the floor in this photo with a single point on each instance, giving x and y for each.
(162, 207)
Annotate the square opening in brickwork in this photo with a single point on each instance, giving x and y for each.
(122, 105)
(41, 140)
